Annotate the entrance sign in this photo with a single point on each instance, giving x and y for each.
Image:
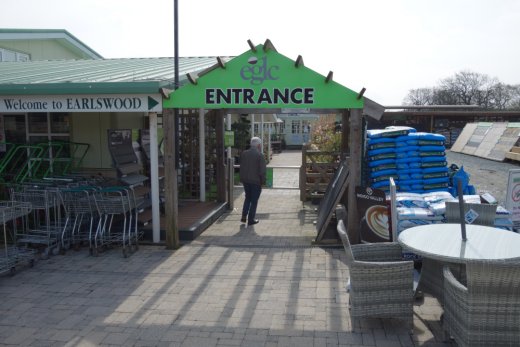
(81, 103)
(513, 196)
(263, 79)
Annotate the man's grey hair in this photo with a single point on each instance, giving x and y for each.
(255, 141)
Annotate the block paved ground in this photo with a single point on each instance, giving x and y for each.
(263, 285)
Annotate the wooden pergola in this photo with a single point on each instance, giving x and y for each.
(263, 81)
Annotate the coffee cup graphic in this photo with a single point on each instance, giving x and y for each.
(376, 218)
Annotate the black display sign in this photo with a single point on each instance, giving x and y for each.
(373, 215)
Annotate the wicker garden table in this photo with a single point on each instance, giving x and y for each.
(470, 315)
(443, 242)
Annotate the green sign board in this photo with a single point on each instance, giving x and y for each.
(269, 177)
(263, 79)
(229, 138)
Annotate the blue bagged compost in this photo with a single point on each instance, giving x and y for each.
(381, 145)
(422, 136)
(383, 173)
(406, 149)
(408, 160)
(392, 131)
(379, 162)
(419, 157)
(463, 177)
(433, 159)
(374, 152)
(384, 178)
(380, 140)
(390, 155)
(441, 149)
(435, 169)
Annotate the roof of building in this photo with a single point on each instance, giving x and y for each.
(101, 76)
(62, 36)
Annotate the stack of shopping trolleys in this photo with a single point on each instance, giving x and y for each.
(49, 217)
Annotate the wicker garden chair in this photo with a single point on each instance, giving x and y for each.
(381, 285)
(431, 273)
(486, 212)
(485, 311)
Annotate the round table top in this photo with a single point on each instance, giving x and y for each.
(444, 242)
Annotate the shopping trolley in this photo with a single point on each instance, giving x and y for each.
(118, 219)
(12, 214)
(80, 215)
(44, 228)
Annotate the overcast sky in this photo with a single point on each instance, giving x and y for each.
(386, 46)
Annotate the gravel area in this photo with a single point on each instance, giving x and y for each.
(486, 175)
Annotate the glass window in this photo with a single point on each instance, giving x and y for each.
(14, 126)
(38, 123)
(282, 127)
(60, 122)
(38, 139)
(295, 126)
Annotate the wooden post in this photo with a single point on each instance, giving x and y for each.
(345, 145)
(303, 174)
(171, 189)
(221, 165)
(345, 136)
(355, 138)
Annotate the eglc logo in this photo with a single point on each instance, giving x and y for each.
(258, 71)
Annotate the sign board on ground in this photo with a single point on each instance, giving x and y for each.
(513, 196)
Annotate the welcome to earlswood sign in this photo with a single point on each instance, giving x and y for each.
(81, 103)
(263, 79)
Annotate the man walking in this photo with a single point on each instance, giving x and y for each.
(252, 176)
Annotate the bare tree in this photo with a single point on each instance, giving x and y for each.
(421, 96)
(468, 88)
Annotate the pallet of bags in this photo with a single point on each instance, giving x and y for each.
(421, 162)
(381, 155)
(415, 160)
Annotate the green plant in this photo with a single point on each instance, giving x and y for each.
(325, 135)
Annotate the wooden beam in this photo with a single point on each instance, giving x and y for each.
(171, 189)
(221, 164)
(355, 139)
(251, 45)
(345, 132)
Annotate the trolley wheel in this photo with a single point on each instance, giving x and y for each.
(12, 271)
(56, 250)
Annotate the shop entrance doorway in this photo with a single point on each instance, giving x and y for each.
(261, 81)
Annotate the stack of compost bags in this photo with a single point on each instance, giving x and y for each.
(415, 160)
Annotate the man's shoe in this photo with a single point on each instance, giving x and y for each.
(243, 220)
(253, 222)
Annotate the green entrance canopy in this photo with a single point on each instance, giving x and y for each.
(263, 78)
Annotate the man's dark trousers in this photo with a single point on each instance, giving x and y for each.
(252, 195)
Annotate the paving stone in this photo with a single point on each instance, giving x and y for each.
(233, 286)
